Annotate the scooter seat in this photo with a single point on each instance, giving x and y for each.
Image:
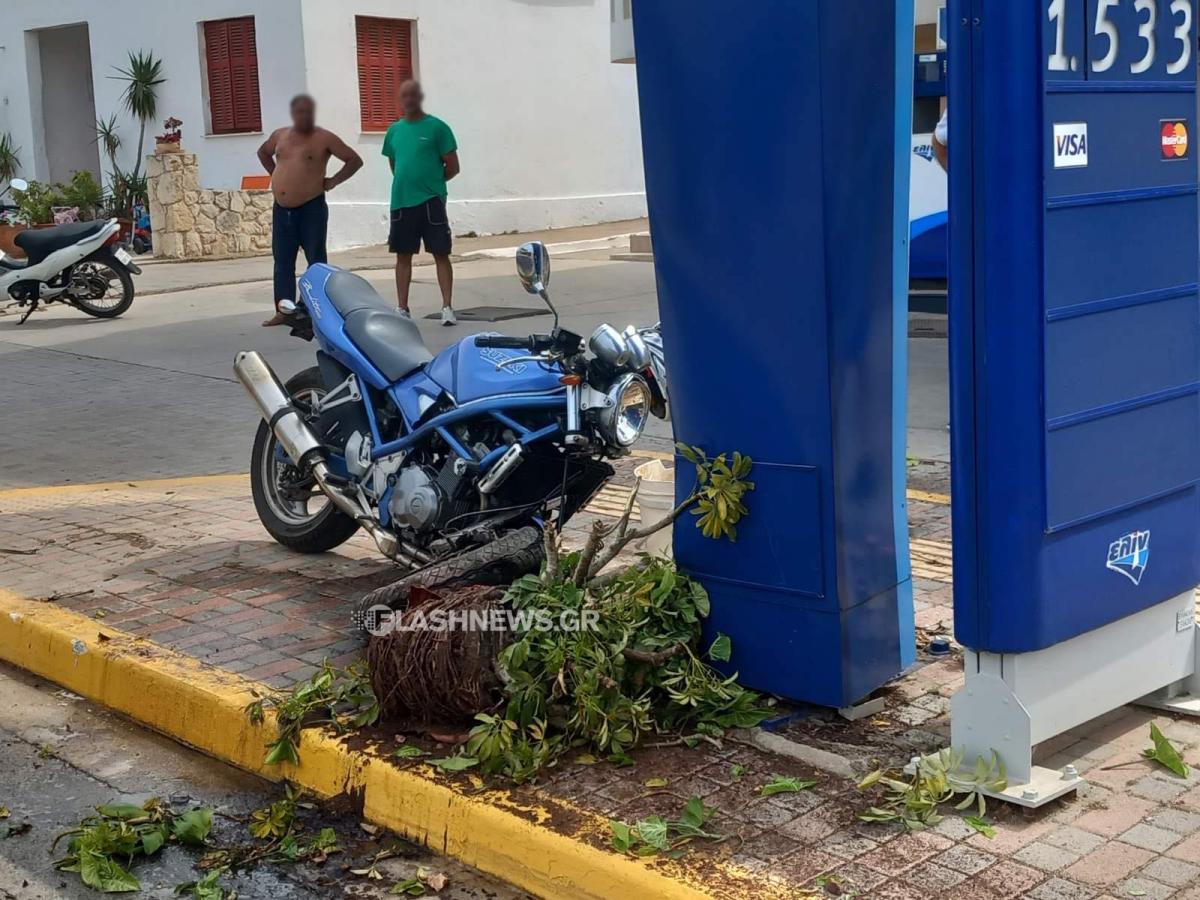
(38, 243)
(391, 341)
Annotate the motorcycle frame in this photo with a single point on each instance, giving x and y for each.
(56, 262)
(329, 332)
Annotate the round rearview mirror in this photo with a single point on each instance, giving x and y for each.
(19, 184)
(533, 266)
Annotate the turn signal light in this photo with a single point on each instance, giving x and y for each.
(571, 380)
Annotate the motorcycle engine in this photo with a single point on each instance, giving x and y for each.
(416, 501)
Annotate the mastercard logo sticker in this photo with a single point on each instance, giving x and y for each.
(1174, 139)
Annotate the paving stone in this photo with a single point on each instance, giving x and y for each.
(1074, 839)
(1150, 837)
(1142, 887)
(1176, 820)
(1009, 879)
(1045, 856)
(1188, 849)
(1157, 789)
(935, 879)
(1119, 814)
(1062, 889)
(853, 877)
(1173, 872)
(965, 859)
(1108, 864)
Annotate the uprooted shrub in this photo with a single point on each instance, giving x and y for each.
(595, 660)
(634, 669)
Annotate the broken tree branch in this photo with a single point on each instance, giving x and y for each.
(617, 545)
(550, 539)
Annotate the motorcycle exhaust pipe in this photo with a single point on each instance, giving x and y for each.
(300, 443)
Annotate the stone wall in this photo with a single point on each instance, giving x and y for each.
(189, 222)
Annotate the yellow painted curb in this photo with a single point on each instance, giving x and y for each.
(494, 831)
(151, 484)
(928, 497)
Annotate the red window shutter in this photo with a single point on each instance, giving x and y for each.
(232, 57)
(384, 63)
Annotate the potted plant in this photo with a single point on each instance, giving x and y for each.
(10, 224)
(35, 204)
(168, 142)
(142, 77)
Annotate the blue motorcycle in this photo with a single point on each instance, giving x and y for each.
(452, 463)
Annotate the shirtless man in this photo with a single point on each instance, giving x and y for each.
(296, 159)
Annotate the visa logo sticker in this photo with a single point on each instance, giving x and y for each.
(1129, 555)
(1070, 145)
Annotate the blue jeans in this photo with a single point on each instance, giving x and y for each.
(296, 228)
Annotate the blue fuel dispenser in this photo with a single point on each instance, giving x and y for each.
(777, 144)
(1075, 367)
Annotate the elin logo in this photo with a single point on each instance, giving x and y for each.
(1130, 555)
(1070, 145)
(1174, 139)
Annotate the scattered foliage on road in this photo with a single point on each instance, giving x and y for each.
(104, 846)
(938, 779)
(656, 835)
(1164, 753)
(781, 785)
(341, 698)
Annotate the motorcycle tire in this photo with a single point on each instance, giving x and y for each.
(126, 279)
(504, 560)
(328, 529)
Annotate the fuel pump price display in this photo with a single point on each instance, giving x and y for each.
(1076, 363)
(1122, 37)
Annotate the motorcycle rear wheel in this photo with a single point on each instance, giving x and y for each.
(278, 487)
(112, 300)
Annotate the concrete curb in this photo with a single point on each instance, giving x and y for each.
(492, 830)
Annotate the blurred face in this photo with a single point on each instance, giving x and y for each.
(411, 98)
(304, 115)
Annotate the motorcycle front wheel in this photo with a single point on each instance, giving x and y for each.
(101, 287)
(295, 512)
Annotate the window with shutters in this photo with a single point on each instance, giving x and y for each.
(385, 61)
(231, 65)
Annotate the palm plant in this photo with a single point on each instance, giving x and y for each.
(10, 160)
(109, 141)
(142, 77)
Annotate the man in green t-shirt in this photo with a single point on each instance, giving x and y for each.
(423, 155)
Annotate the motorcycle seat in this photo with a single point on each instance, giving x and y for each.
(38, 243)
(391, 341)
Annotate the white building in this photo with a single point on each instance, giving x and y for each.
(547, 127)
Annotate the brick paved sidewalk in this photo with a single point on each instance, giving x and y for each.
(186, 564)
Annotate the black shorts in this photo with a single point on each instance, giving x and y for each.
(424, 222)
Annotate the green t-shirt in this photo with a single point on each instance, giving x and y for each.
(416, 150)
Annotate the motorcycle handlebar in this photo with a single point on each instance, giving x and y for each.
(503, 343)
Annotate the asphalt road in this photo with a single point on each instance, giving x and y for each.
(152, 394)
(62, 757)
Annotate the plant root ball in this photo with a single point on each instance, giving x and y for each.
(438, 665)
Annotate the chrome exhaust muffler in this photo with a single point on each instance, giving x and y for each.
(302, 445)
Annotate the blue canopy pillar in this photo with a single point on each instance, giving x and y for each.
(777, 138)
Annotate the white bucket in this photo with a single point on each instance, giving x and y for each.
(655, 500)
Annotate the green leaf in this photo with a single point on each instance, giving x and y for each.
(193, 826)
(696, 813)
(413, 887)
(408, 751)
(454, 763)
(782, 785)
(282, 751)
(153, 839)
(1164, 753)
(656, 782)
(622, 836)
(721, 649)
(653, 832)
(105, 875)
(981, 826)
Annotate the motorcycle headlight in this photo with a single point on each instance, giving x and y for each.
(623, 417)
(609, 346)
